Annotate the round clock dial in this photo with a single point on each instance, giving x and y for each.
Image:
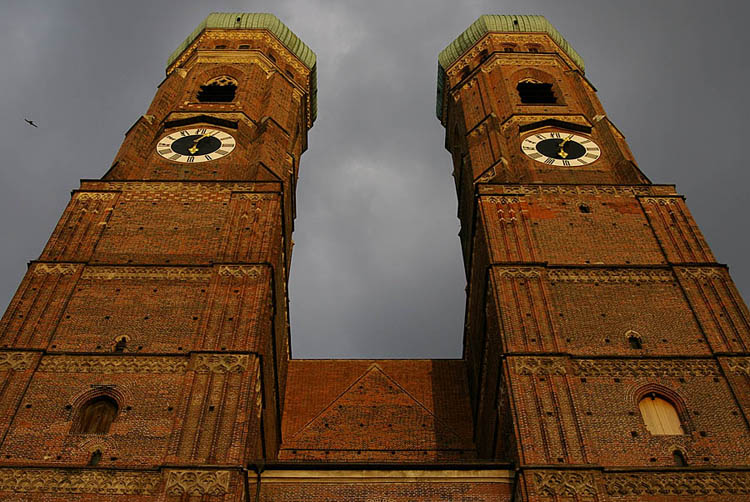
(560, 148)
(195, 145)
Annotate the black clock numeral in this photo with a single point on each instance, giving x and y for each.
(555, 134)
(540, 136)
(207, 157)
(175, 156)
(530, 148)
(200, 131)
(170, 137)
(165, 151)
(549, 161)
(191, 159)
(566, 162)
(586, 141)
(165, 144)
(184, 133)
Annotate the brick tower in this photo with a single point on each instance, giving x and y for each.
(145, 356)
(145, 353)
(606, 350)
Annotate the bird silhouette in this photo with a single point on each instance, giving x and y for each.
(31, 122)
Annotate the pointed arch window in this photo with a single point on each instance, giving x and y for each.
(96, 416)
(532, 91)
(660, 416)
(218, 90)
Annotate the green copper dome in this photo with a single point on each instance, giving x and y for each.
(495, 23)
(258, 21)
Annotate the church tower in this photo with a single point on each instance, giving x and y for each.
(606, 349)
(145, 353)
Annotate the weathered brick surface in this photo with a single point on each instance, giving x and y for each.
(377, 410)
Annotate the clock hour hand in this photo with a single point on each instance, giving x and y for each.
(194, 148)
(562, 153)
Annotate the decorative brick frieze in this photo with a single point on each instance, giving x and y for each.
(79, 481)
(145, 273)
(565, 484)
(199, 483)
(220, 363)
(84, 196)
(638, 368)
(54, 268)
(250, 271)
(113, 364)
(631, 190)
(610, 275)
(739, 365)
(523, 273)
(684, 484)
(541, 366)
(16, 361)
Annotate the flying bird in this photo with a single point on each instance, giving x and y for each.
(31, 122)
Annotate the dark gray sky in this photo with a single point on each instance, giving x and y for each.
(377, 267)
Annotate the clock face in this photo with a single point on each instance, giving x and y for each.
(561, 148)
(195, 145)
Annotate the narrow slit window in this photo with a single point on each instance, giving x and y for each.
(535, 92)
(660, 416)
(218, 90)
(635, 342)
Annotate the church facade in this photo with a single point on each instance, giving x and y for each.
(145, 356)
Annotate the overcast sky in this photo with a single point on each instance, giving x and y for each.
(377, 267)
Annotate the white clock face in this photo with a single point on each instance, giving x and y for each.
(195, 145)
(561, 148)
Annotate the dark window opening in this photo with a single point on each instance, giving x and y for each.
(121, 344)
(218, 90)
(679, 459)
(97, 415)
(507, 49)
(95, 457)
(533, 48)
(270, 56)
(536, 93)
(484, 56)
(584, 208)
(465, 73)
(220, 46)
(289, 74)
(244, 46)
(635, 342)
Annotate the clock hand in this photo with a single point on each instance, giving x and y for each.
(562, 152)
(194, 148)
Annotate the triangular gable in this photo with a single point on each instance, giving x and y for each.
(375, 413)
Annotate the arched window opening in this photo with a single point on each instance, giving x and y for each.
(96, 457)
(484, 56)
(532, 91)
(660, 416)
(121, 344)
(96, 416)
(584, 208)
(509, 48)
(533, 48)
(218, 90)
(244, 46)
(634, 339)
(465, 72)
(679, 458)
(220, 46)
